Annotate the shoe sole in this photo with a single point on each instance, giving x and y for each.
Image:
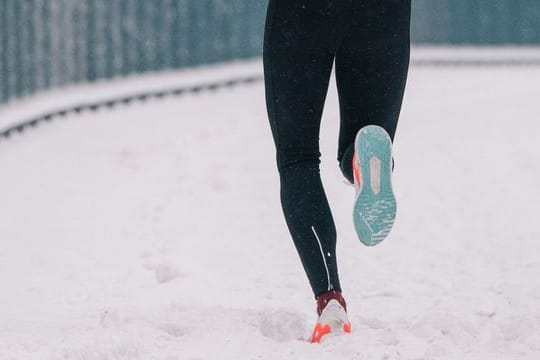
(375, 208)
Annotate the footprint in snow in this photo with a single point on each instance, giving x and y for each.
(165, 271)
(283, 325)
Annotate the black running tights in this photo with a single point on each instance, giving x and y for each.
(369, 42)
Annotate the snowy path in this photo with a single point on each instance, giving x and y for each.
(154, 232)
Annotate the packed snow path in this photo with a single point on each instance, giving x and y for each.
(154, 231)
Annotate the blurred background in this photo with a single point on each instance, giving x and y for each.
(49, 43)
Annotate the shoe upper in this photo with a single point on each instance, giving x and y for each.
(324, 298)
(332, 317)
(356, 173)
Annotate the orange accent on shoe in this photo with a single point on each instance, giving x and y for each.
(319, 331)
(356, 171)
(347, 327)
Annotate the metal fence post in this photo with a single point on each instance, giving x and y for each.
(4, 53)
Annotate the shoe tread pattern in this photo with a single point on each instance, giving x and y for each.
(375, 209)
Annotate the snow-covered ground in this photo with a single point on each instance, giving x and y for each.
(154, 231)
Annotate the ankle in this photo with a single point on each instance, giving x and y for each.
(324, 298)
(345, 164)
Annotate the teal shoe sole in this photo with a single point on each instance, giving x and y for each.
(375, 207)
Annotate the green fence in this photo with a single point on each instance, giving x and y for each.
(483, 22)
(49, 43)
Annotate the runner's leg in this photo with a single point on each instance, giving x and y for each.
(371, 71)
(297, 62)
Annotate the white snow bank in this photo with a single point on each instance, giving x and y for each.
(154, 231)
(18, 110)
(472, 54)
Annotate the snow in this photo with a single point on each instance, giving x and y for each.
(484, 54)
(73, 95)
(154, 231)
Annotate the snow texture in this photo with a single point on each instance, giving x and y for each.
(154, 231)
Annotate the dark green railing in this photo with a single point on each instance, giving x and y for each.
(483, 22)
(49, 43)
